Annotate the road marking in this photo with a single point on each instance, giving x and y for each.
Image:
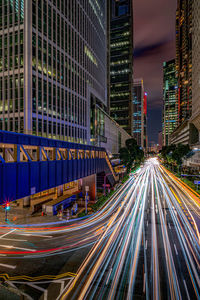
(147, 223)
(7, 233)
(62, 286)
(8, 266)
(146, 245)
(109, 276)
(20, 291)
(40, 289)
(17, 240)
(169, 225)
(188, 296)
(12, 247)
(175, 249)
(144, 283)
(36, 235)
(175, 197)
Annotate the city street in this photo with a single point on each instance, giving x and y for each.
(99, 150)
(144, 243)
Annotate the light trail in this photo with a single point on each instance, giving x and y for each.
(154, 260)
(144, 241)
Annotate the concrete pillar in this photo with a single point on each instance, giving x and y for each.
(26, 201)
(90, 181)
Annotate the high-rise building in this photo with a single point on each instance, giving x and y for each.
(139, 113)
(184, 59)
(53, 67)
(160, 140)
(145, 146)
(196, 68)
(121, 63)
(187, 64)
(170, 113)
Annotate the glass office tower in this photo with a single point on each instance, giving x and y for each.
(170, 109)
(196, 67)
(139, 113)
(121, 63)
(52, 63)
(184, 59)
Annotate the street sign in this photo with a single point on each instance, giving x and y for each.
(196, 182)
(87, 188)
(33, 190)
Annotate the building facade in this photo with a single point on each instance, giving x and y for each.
(52, 66)
(139, 113)
(170, 109)
(160, 140)
(184, 59)
(116, 136)
(195, 119)
(121, 63)
(187, 68)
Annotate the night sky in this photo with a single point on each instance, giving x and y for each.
(154, 42)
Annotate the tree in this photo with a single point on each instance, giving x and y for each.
(131, 153)
(167, 150)
(173, 154)
(178, 154)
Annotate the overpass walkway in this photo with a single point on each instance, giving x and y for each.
(30, 164)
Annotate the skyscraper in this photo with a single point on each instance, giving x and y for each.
(121, 63)
(169, 100)
(139, 113)
(52, 67)
(184, 59)
(196, 68)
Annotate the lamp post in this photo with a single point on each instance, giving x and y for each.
(104, 185)
(86, 197)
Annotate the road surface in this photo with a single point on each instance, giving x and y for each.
(143, 244)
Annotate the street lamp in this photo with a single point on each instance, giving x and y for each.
(86, 198)
(104, 185)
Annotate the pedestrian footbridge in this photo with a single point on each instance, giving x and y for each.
(31, 164)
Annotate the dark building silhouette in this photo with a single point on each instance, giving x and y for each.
(140, 113)
(184, 59)
(120, 83)
(170, 114)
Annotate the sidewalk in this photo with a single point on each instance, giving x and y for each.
(23, 216)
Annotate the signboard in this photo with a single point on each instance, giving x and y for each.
(196, 182)
(33, 190)
(87, 188)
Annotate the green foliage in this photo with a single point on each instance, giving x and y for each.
(167, 150)
(191, 184)
(179, 153)
(82, 214)
(101, 201)
(174, 154)
(131, 153)
(125, 178)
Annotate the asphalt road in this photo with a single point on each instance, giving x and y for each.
(143, 244)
